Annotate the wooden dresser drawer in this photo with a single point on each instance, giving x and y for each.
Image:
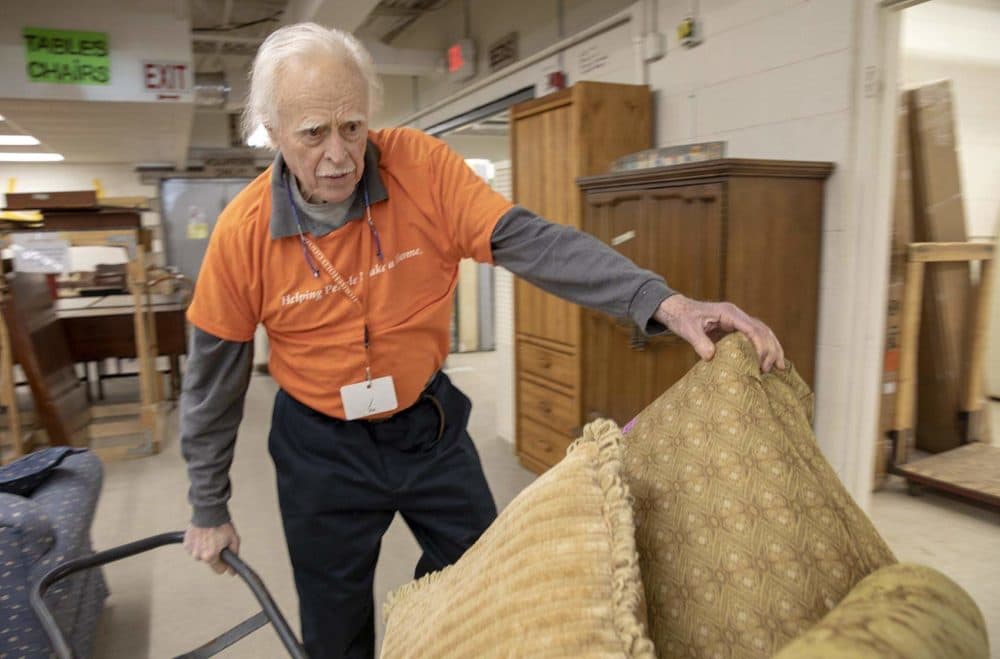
(543, 444)
(547, 406)
(549, 364)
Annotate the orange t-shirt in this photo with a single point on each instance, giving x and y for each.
(437, 212)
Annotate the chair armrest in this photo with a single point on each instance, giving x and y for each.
(26, 530)
(901, 610)
(69, 498)
(78, 476)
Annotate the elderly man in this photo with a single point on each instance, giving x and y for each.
(347, 250)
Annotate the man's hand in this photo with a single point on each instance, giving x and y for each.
(205, 544)
(703, 323)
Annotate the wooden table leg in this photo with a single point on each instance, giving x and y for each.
(8, 397)
(175, 377)
(146, 349)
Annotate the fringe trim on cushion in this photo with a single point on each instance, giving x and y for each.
(629, 599)
(628, 595)
(406, 590)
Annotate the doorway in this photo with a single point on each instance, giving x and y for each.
(485, 145)
(483, 315)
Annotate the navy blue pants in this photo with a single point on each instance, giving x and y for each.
(341, 482)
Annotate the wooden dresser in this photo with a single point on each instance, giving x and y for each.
(746, 231)
(555, 139)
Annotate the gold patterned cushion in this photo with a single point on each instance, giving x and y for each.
(556, 575)
(746, 536)
(901, 611)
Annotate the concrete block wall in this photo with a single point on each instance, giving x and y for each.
(773, 80)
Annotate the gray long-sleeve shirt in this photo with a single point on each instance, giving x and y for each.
(556, 258)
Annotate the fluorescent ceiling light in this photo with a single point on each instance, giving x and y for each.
(259, 138)
(17, 140)
(30, 157)
(1, 118)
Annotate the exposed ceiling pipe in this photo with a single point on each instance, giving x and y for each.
(227, 14)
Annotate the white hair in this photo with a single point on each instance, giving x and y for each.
(294, 41)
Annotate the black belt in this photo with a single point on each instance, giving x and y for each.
(427, 396)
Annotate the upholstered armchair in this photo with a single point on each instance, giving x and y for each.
(746, 545)
(44, 525)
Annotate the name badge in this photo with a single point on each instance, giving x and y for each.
(369, 398)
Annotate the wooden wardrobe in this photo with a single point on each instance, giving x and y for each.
(746, 231)
(555, 139)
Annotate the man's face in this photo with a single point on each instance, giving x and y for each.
(322, 126)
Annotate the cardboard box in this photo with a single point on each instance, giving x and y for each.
(939, 216)
(24, 201)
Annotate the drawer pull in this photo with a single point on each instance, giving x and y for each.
(545, 363)
(623, 238)
(544, 444)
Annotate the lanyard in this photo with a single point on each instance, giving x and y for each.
(310, 247)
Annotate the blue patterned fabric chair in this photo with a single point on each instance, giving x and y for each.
(38, 531)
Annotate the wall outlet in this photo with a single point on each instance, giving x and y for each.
(689, 32)
(654, 46)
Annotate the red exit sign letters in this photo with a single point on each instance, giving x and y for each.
(166, 77)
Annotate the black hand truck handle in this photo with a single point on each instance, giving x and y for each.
(62, 648)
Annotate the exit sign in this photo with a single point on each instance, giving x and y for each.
(461, 59)
(168, 79)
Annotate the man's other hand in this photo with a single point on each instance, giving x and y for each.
(703, 323)
(206, 544)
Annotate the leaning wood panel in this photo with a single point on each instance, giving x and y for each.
(939, 217)
(40, 347)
